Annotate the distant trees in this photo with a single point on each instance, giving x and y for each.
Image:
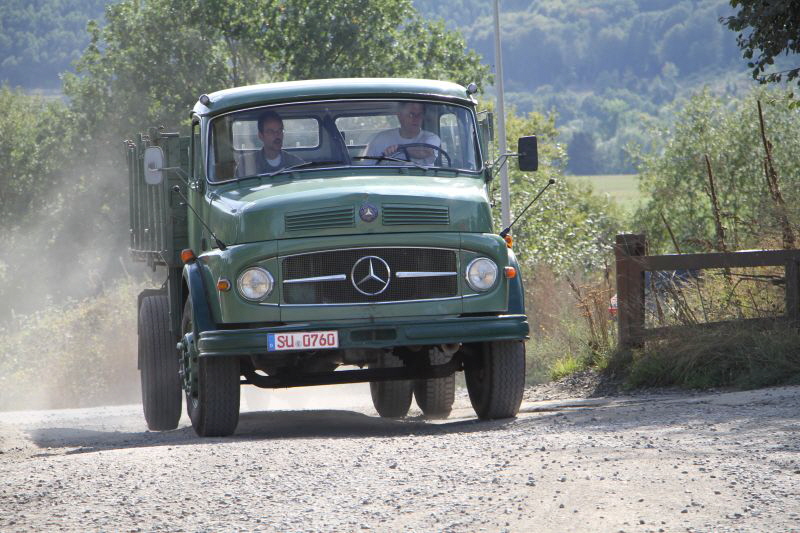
(565, 55)
(768, 29)
(39, 39)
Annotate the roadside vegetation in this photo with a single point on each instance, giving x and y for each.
(75, 354)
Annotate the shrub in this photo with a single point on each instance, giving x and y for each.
(80, 354)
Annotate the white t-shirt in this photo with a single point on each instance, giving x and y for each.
(387, 138)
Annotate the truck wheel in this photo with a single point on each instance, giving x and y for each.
(435, 396)
(158, 361)
(391, 399)
(496, 379)
(213, 403)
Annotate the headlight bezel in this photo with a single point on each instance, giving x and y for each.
(494, 268)
(270, 280)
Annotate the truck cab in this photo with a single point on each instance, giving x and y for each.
(322, 232)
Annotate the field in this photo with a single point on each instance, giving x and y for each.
(624, 188)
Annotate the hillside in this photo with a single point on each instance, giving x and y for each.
(41, 38)
(608, 68)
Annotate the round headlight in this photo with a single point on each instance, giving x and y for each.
(255, 283)
(481, 274)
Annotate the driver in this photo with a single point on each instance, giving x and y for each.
(389, 142)
(272, 157)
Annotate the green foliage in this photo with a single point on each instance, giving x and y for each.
(566, 366)
(36, 139)
(72, 355)
(674, 174)
(40, 38)
(152, 59)
(773, 29)
(146, 66)
(568, 228)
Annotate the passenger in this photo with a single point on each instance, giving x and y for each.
(272, 157)
(391, 142)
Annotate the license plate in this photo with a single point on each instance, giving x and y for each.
(302, 340)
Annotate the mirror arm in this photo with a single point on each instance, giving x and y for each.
(502, 159)
(182, 174)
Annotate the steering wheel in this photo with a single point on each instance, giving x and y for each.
(403, 148)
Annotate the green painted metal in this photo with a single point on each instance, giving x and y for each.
(293, 91)
(229, 307)
(158, 230)
(255, 211)
(378, 334)
(262, 220)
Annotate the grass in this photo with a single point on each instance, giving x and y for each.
(623, 188)
(566, 366)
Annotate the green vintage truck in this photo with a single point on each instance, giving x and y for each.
(322, 232)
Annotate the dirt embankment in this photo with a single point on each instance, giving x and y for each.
(650, 462)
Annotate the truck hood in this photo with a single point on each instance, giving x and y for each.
(321, 206)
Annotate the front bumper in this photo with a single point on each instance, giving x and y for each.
(429, 331)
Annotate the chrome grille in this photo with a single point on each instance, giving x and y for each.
(332, 217)
(398, 214)
(327, 277)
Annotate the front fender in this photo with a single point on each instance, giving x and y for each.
(201, 313)
(516, 290)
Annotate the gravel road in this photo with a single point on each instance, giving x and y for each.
(650, 462)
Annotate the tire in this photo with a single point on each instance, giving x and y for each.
(436, 396)
(392, 399)
(496, 379)
(214, 406)
(158, 357)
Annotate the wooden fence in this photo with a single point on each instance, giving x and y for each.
(632, 262)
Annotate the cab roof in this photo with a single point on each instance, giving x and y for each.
(292, 91)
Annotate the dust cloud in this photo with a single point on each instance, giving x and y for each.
(68, 294)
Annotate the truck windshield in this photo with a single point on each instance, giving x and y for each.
(410, 133)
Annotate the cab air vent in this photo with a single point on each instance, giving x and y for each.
(326, 217)
(398, 214)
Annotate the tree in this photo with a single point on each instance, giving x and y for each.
(674, 173)
(768, 28)
(582, 153)
(568, 229)
(153, 58)
(36, 140)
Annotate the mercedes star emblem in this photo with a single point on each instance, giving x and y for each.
(371, 275)
(368, 212)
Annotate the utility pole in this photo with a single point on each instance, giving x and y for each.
(505, 196)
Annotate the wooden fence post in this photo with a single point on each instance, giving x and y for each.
(629, 251)
(792, 275)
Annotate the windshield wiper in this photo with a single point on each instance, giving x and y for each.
(380, 158)
(299, 165)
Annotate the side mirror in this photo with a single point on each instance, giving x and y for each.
(486, 127)
(528, 151)
(153, 165)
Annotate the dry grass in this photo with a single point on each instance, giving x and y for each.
(735, 354)
(731, 357)
(571, 328)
